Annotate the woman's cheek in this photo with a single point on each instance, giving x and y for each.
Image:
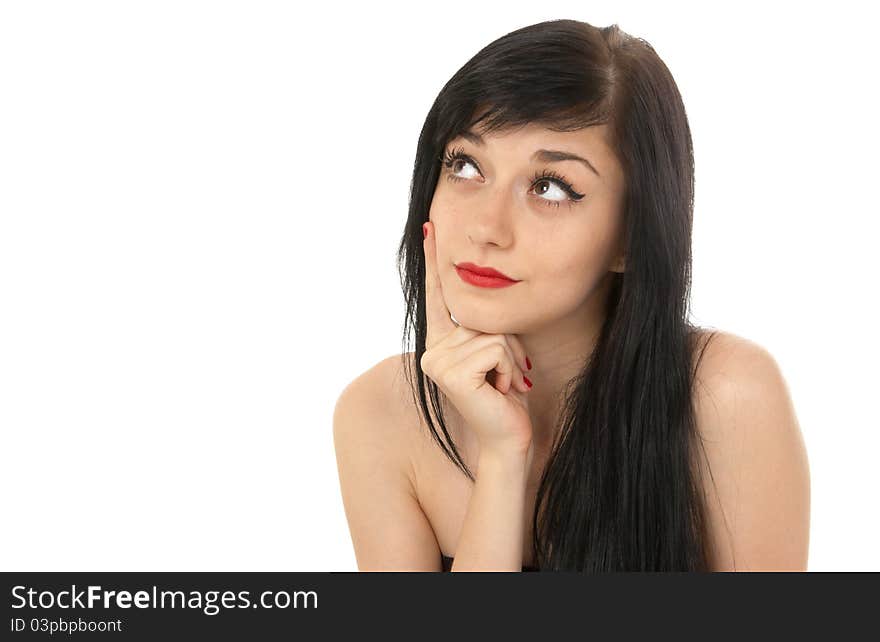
(575, 278)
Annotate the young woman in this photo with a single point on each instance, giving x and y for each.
(559, 411)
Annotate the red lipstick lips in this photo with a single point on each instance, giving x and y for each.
(484, 277)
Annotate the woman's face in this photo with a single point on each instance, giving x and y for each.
(490, 210)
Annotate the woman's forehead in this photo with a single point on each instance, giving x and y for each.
(589, 142)
(593, 136)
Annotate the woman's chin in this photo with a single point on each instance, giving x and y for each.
(481, 324)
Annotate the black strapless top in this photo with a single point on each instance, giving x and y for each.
(447, 564)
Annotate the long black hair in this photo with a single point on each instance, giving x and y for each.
(621, 490)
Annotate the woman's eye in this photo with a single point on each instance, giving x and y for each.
(563, 190)
(551, 186)
(455, 161)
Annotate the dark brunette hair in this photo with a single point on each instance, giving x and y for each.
(621, 489)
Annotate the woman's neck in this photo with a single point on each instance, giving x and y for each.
(558, 353)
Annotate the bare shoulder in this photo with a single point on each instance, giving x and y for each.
(374, 401)
(389, 530)
(722, 354)
(376, 392)
(735, 373)
(374, 385)
(754, 459)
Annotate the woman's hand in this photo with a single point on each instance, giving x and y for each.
(459, 360)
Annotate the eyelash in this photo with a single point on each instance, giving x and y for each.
(449, 158)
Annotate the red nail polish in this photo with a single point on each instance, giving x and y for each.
(528, 363)
(425, 230)
(528, 383)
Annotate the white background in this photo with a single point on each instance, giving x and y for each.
(200, 204)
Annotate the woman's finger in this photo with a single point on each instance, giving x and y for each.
(493, 356)
(518, 349)
(476, 344)
(439, 323)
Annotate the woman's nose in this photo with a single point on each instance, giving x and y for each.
(491, 220)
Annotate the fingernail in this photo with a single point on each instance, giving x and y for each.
(425, 230)
(528, 383)
(528, 363)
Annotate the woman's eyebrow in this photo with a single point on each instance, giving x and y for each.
(545, 155)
